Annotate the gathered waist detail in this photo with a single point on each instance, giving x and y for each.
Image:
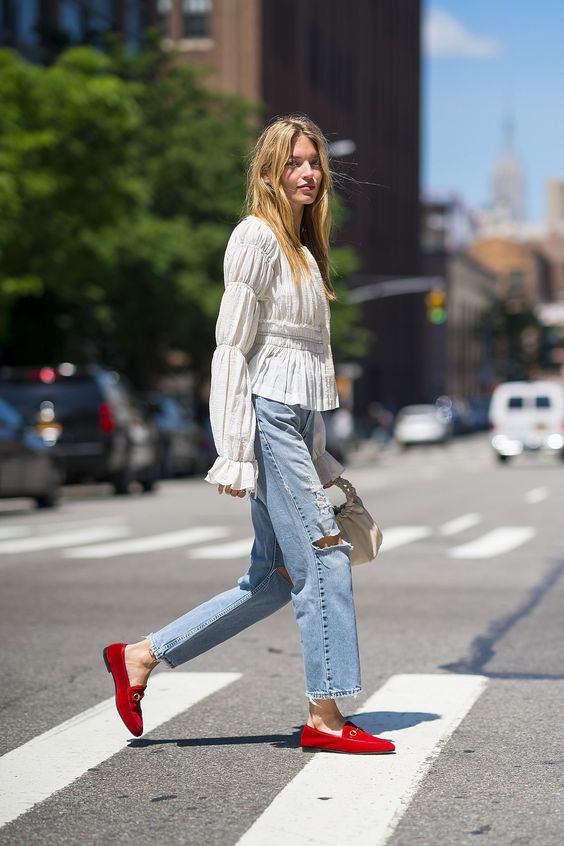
(290, 335)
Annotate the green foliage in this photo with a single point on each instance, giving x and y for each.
(348, 338)
(121, 178)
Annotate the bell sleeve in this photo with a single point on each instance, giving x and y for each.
(248, 270)
(327, 467)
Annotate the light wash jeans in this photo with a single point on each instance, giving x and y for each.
(290, 511)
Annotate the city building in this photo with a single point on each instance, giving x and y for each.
(460, 355)
(355, 70)
(523, 272)
(40, 29)
(505, 215)
(556, 206)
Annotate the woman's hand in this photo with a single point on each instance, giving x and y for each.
(229, 490)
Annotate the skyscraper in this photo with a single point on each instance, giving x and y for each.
(508, 181)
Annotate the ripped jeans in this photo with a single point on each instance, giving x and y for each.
(289, 511)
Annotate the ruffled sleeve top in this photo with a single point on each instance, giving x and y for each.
(273, 340)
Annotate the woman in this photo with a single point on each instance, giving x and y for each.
(272, 375)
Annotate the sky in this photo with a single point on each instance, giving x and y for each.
(485, 60)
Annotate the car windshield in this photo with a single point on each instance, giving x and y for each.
(68, 396)
(9, 417)
(412, 410)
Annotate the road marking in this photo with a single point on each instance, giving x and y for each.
(234, 549)
(494, 543)
(14, 532)
(62, 539)
(536, 495)
(151, 543)
(459, 524)
(365, 796)
(33, 772)
(99, 521)
(402, 535)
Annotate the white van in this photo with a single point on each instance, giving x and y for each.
(527, 416)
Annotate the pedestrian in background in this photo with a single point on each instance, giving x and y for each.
(272, 375)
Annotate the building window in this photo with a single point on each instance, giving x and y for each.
(7, 22)
(86, 22)
(19, 23)
(196, 18)
(164, 10)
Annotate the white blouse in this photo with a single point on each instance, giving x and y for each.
(273, 340)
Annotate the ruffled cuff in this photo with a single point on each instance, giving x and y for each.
(241, 475)
(328, 468)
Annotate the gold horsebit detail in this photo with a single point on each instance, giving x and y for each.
(353, 733)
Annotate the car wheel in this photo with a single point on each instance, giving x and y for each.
(148, 485)
(49, 499)
(503, 459)
(122, 481)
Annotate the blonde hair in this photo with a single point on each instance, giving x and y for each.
(268, 201)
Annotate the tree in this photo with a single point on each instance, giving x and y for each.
(120, 180)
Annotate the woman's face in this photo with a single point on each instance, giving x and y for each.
(302, 176)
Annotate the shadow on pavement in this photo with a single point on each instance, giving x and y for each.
(373, 722)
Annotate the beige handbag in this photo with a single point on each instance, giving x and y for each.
(356, 524)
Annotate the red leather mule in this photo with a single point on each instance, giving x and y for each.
(128, 698)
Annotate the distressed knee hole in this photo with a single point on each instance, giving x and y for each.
(329, 540)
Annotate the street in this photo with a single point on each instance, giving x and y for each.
(460, 624)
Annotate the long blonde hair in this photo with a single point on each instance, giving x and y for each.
(268, 201)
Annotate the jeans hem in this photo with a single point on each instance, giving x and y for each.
(332, 694)
(159, 653)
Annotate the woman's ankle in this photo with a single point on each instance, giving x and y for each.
(141, 653)
(325, 716)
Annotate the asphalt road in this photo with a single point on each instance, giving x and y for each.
(471, 586)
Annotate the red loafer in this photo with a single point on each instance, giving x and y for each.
(353, 739)
(128, 698)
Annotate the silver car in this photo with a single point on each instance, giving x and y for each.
(422, 424)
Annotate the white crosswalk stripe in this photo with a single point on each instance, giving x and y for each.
(536, 495)
(497, 542)
(234, 549)
(14, 532)
(397, 536)
(33, 772)
(112, 539)
(369, 795)
(62, 539)
(460, 524)
(151, 543)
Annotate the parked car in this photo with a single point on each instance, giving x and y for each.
(92, 420)
(479, 409)
(28, 467)
(422, 424)
(527, 416)
(181, 440)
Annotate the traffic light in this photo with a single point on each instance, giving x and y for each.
(436, 306)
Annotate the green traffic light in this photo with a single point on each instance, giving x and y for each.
(437, 315)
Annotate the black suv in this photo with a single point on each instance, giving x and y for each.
(92, 420)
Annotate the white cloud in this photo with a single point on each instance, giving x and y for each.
(446, 37)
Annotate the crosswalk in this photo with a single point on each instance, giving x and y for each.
(48, 763)
(117, 539)
(368, 795)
